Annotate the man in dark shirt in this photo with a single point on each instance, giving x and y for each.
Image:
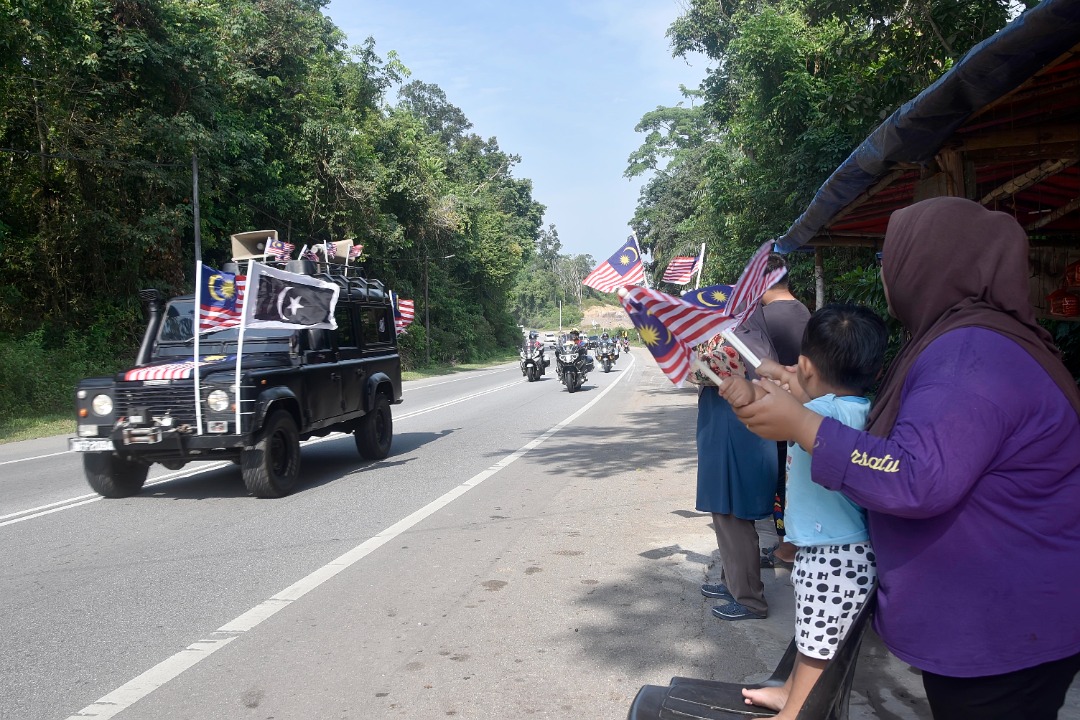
(784, 319)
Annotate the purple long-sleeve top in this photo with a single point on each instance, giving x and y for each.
(974, 509)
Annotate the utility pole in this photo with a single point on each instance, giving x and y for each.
(427, 316)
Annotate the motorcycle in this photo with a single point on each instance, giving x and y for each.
(533, 362)
(607, 354)
(626, 345)
(571, 365)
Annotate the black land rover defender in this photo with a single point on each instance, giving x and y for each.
(293, 384)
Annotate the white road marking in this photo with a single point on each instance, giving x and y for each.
(42, 510)
(35, 457)
(131, 692)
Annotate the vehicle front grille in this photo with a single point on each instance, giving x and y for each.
(175, 400)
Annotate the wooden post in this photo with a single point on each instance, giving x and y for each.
(819, 278)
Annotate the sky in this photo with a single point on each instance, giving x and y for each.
(562, 83)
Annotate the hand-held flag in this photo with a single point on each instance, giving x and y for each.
(622, 269)
(703, 313)
(672, 355)
(280, 299)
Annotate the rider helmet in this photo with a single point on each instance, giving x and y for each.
(575, 331)
(604, 337)
(533, 334)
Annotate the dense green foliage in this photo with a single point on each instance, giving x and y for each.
(794, 87)
(103, 106)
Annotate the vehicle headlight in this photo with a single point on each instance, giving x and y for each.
(218, 400)
(102, 405)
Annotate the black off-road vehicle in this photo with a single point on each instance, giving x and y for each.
(293, 384)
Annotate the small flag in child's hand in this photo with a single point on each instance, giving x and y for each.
(672, 355)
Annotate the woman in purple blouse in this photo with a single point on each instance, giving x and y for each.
(969, 470)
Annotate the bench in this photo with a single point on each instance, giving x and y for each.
(694, 699)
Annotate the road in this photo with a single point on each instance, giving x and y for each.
(195, 600)
(524, 552)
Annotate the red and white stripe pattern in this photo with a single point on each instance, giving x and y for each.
(622, 269)
(753, 283)
(215, 318)
(356, 251)
(693, 324)
(175, 371)
(403, 315)
(681, 270)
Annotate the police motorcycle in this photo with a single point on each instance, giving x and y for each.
(572, 362)
(533, 362)
(607, 352)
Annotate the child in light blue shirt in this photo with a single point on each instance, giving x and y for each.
(843, 349)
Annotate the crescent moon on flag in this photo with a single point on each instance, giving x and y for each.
(212, 287)
(703, 298)
(631, 248)
(281, 298)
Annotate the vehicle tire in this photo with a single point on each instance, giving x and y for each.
(607, 367)
(534, 374)
(113, 476)
(271, 466)
(571, 381)
(375, 431)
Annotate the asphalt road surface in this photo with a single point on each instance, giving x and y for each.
(524, 552)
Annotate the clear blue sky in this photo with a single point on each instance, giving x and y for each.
(562, 83)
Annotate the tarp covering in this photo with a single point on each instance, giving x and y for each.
(918, 129)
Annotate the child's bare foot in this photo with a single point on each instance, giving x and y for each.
(773, 698)
(785, 551)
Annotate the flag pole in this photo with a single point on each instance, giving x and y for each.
(739, 345)
(240, 348)
(697, 364)
(700, 267)
(198, 327)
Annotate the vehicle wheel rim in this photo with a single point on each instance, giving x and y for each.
(279, 454)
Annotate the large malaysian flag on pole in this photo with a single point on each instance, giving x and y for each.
(622, 269)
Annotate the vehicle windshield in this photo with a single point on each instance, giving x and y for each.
(180, 319)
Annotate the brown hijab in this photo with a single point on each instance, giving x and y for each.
(949, 263)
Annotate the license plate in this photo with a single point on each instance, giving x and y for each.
(84, 445)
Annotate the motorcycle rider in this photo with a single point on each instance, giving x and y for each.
(534, 341)
(583, 346)
(605, 339)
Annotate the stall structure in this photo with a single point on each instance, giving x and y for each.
(1001, 127)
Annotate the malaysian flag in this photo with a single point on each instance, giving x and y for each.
(176, 370)
(714, 297)
(356, 251)
(681, 269)
(309, 254)
(221, 299)
(672, 355)
(404, 311)
(280, 249)
(693, 321)
(329, 251)
(622, 269)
